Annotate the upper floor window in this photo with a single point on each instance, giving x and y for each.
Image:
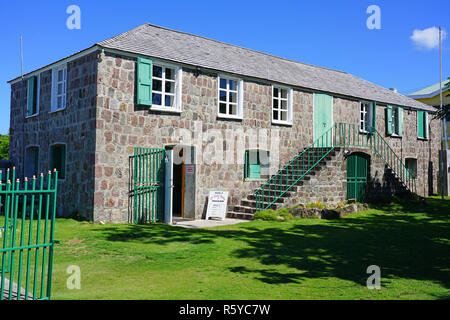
(367, 117)
(230, 99)
(394, 121)
(281, 105)
(158, 85)
(59, 88)
(422, 124)
(33, 95)
(165, 82)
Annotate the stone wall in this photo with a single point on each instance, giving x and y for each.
(73, 126)
(102, 125)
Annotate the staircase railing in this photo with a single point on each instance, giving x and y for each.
(294, 171)
(340, 134)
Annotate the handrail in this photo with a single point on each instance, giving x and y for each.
(314, 156)
(340, 134)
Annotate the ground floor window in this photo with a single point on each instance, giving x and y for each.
(58, 159)
(31, 161)
(256, 164)
(411, 168)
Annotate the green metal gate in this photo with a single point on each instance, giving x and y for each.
(357, 177)
(27, 224)
(148, 185)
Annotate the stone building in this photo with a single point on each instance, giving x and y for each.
(217, 117)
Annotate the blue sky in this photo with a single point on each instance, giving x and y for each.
(330, 33)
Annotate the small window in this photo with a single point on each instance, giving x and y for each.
(411, 168)
(58, 159)
(281, 105)
(422, 124)
(256, 164)
(31, 162)
(394, 121)
(164, 87)
(33, 95)
(229, 98)
(366, 115)
(59, 88)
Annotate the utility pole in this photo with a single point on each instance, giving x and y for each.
(21, 57)
(444, 124)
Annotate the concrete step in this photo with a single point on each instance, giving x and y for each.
(241, 215)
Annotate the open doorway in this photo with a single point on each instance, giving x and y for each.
(178, 188)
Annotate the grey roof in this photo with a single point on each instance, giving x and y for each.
(158, 42)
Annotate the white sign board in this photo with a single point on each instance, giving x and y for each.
(217, 205)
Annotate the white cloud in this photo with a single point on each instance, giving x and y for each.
(428, 38)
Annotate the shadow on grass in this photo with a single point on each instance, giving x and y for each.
(409, 240)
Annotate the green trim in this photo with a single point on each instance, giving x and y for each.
(144, 81)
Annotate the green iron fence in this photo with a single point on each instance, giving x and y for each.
(340, 134)
(27, 219)
(147, 179)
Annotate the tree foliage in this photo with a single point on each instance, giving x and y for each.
(4, 147)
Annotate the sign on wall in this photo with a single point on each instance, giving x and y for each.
(217, 205)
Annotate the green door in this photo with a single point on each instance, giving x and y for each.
(356, 178)
(323, 114)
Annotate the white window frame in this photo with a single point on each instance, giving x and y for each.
(55, 82)
(289, 104)
(38, 95)
(177, 93)
(367, 118)
(239, 92)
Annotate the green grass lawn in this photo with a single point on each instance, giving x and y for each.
(299, 259)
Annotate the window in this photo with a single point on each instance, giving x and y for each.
(158, 85)
(281, 105)
(422, 124)
(58, 159)
(59, 88)
(256, 164)
(31, 161)
(366, 117)
(394, 121)
(164, 87)
(230, 104)
(411, 168)
(33, 95)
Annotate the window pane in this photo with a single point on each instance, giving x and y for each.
(283, 115)
(284, 93)
(222, 95)
(284, 104)
(157, 85)
(275, 103)
(275, 92)
(157, 71)
(223, 83)
(223, 108)
(233, 85)
(170, 74)
(156, 99)
(170, 87)
(168, 101)
(232, 97)
(275, 115)
(232, 109)
(59, 103)
(60, 88)
(60, 75)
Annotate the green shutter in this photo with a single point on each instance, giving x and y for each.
(374, 117)
(31, 97)
(389, 120)
(144, 81)
(420, 124)
(425, 124)
(400, 121)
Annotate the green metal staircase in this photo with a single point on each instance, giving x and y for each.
(284, 184)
